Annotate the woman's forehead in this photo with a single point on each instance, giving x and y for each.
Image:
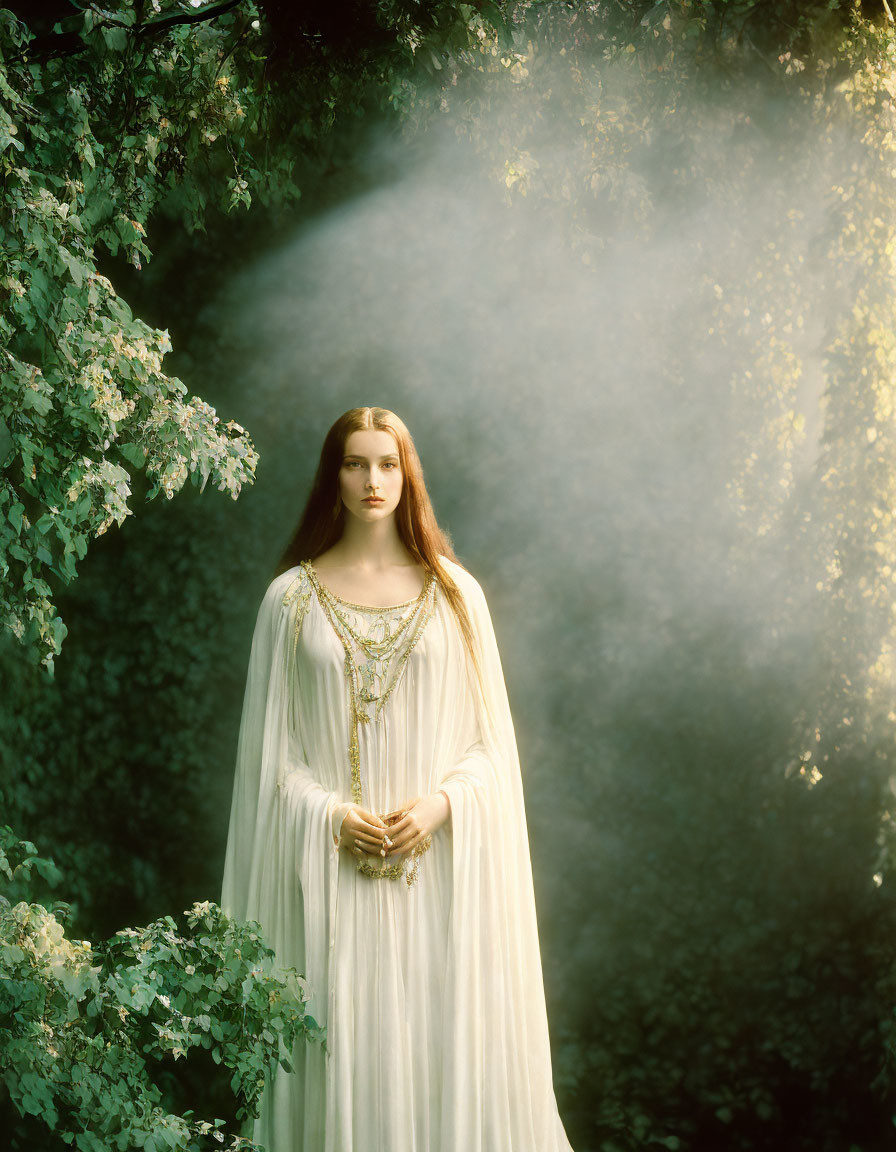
(375, 441)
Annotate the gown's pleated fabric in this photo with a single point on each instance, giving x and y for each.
(431, 996)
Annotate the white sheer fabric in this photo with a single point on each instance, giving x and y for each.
(432, 996)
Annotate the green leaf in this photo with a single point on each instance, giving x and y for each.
(33, 401)
(116, 39)
(133, 453)
(74, 266)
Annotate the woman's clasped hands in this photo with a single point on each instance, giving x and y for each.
(400, 832)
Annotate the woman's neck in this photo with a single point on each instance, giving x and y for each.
(369, 546)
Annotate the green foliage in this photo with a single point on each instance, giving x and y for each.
(87, 1031)
(91, 142)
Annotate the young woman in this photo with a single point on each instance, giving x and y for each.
(378, 832)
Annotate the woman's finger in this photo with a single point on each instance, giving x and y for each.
(404, 849)
(403, 843)
(368, 830)
(371, 831)
(404, 823)
(357, 823)
(370, 843)
(359, 817)
(369, 850)
(371, 818)
(405, 812)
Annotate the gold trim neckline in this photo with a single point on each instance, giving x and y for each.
(427, 579)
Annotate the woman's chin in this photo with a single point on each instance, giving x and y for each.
(374, 511)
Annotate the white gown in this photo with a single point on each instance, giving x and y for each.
(431, 995)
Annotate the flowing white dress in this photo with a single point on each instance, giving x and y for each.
(431, 995)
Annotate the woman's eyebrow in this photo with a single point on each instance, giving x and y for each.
(358, 456)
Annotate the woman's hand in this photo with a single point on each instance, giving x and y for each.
(362, 832)
(419, 819)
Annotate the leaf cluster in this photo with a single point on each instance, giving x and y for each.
(91, 143)
(88, 1031)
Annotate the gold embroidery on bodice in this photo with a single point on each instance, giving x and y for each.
(377, 642)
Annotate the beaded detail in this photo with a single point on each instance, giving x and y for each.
(300, 592)
(386, 646)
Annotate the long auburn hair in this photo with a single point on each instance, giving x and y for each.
(323, 519)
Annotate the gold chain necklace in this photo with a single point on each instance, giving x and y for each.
(383, 651)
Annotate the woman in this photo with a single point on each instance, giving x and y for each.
(378, 833)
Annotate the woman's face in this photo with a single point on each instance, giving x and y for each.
(370, 467)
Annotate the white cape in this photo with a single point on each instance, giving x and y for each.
(432, 996)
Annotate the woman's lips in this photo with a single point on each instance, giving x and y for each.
(373, 500)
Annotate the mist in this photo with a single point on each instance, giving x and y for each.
(585, 438)
(619, 464)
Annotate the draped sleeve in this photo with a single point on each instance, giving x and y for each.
(499, 1077)
(470, 771)
(281, 862)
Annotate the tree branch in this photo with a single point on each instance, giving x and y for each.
(69, 43)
